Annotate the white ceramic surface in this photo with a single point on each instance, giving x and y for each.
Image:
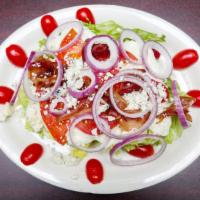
(14, 138)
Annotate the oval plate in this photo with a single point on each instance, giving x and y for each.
(14, 138)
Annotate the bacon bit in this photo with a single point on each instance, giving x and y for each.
(171, 110)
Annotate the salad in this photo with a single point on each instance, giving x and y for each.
(100, 88)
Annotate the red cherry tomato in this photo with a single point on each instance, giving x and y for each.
(31, 154)
(185, 58)
(87, 126)
(85, 15)
(94, 171)
(16, 55)
(142, 151)
(196, 95)
(6, 94)
(48, 24)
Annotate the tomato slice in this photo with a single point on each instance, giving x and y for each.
(75, 51)
(142, 151)
(94, 171)
(58, 129)
(87, 126)
(68, 38)
(6, 94)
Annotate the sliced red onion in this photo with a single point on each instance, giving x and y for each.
(74, 123)
(101, 66)
(145, 87)
(129, 34)
(13, 99)
(54, 103)
(27, 83)
(179, 107)
(160, 68)
(99, 95)
(55, 38)
(141, 161)
(87, 91)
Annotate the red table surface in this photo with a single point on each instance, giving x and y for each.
(16, 184)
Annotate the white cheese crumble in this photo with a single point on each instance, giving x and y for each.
(111, 118)
(87, 34)
(94, 132)
(73, 74)
(102, 108)
(71, 102)
(33, 116)
(161, 128)
(132, 47)
(138, 100)
(6, 111)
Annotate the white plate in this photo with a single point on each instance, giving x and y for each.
(13, 137)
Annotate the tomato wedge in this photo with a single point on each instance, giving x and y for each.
(87, 126)
(58, 129)
(196, 95)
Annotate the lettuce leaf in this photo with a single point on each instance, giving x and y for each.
(175, 131)
(23, 100)
(114, 29)
(77, 153)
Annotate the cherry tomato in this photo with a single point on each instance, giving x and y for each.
(31, 154)
(48, 24)
(85, 15)
(16, 55)
(100, 52)
(94, 171)
(196, 95)
(6, 94)
(87, 126)
(185, 58)
(142, 151)
(156, 53)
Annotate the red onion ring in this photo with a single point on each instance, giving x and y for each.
(76, 121)
(138, 161)
(179, 107)
(87, 91)
(26, 82)
(97, 100)
(145, 87)
(101, 66)
(56, 37)
(53, 104)
(127, 33)
(165, 70)
(13, 99)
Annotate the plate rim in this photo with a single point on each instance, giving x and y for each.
(169, 173)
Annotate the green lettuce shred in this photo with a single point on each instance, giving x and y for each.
(112, 28)
(23, 100)
(42, 43)
(77, 153)
(175, 131)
